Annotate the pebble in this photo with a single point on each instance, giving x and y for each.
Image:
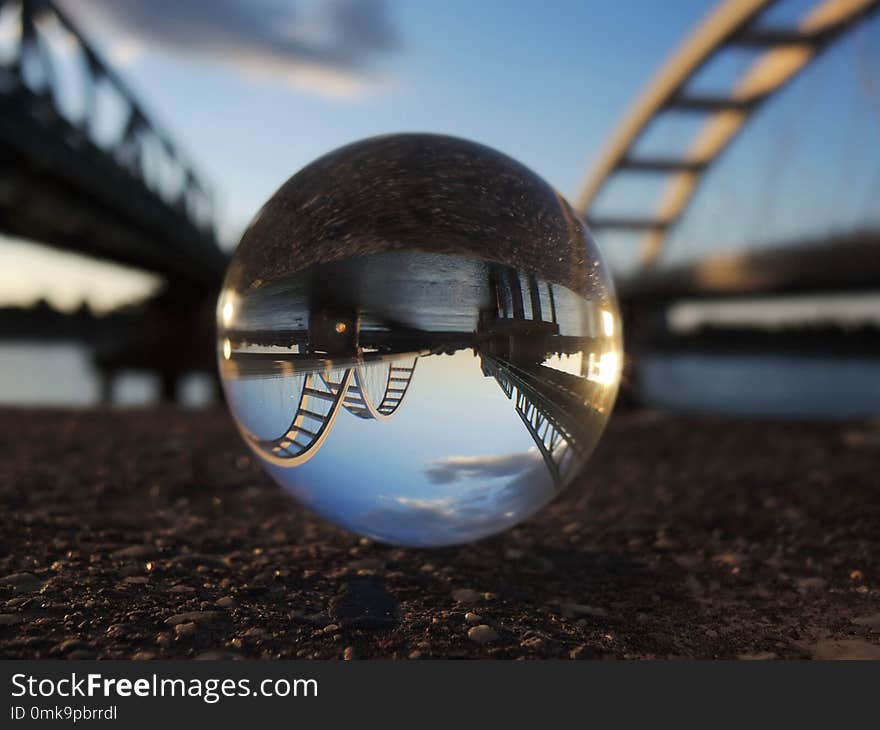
(181, 589)
(143, 656)
(215, 655)
(466, 595)
(69, 645)
(473, 618)
(134, 551)
(196, 617)
(580, 609)
(581, 652)
(348, 654)
(189, 629)
(136, 580)
(872, 621)
(226, 602)
(533, 642)
(118, 631)
(759, 656)
(482, 634)
(9, 619)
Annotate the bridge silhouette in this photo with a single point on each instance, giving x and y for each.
(127, 195)
(132, 196)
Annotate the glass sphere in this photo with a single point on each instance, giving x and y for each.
(418, 340)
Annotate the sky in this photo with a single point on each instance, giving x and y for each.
(253, 90)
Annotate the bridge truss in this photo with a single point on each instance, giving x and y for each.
(325, 393)
(783, 52)
(103, 179)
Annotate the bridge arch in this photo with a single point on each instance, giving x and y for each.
(324, 394)
(397, 381)
(733, 23)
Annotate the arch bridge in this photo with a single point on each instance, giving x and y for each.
(782, 52)
(370, 388)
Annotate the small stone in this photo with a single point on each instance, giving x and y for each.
(118, 631)
(136, 580)
(533, 642)
(348, 654)
(872, 621)
(163, 638)
(226, 602)
(465, 595)
(183, 630)
(571, 528)
(143, 656)
(580, 609)
(760, 656)
(10, 619)
(69, 645)
(581, 652)
(197, 617)
(216, 655)
(330, 628)
(80, 654)
(134, 551)
(482, 634)
(181, 589)
(473, 618)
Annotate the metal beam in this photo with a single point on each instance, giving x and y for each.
(788, 52)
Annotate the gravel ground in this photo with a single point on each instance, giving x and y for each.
(151, 533)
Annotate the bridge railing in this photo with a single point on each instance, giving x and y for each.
(40, 48)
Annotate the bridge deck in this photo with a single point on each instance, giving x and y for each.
(835, 264)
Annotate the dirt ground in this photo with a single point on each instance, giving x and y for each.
(151, 533)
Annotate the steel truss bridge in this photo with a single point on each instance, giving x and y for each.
(105, 179)
(557, 410)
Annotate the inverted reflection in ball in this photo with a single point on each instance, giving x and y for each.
(418, 340)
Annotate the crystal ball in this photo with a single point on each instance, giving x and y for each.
(418, 340)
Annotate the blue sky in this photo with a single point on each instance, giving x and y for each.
(543, 82)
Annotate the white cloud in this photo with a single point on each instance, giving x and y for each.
(322, 46)
(454, 468)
